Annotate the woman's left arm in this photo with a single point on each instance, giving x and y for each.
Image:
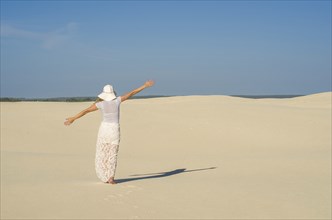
(70, 120)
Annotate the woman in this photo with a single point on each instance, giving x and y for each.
(109, 130)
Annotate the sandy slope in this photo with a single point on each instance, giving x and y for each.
(191, 157)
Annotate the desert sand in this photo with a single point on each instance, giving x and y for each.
(185, 157)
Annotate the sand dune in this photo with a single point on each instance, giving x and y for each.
(192, 157)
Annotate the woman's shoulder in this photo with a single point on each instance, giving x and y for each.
(118, 99)
(99, 103)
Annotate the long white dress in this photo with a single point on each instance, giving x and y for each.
(108, 140)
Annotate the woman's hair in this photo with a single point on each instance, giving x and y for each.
(99, 100)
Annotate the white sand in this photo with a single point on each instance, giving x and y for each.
(272, 159)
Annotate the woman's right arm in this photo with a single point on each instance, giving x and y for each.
(135, 91)
(70, 120)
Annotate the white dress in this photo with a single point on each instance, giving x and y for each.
(108, 139)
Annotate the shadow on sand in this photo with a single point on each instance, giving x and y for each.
(160, 175)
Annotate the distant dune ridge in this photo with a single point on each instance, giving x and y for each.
(185, 157)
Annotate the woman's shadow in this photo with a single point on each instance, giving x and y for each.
(160, 175)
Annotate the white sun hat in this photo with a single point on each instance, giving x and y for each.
(108, 93)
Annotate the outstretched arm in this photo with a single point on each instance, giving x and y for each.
(70, 120)
(135, 91)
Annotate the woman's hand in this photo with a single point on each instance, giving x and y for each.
(69, 121)
(149, 83)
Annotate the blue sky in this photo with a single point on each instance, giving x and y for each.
(74, 48)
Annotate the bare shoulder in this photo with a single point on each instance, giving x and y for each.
(123, 98)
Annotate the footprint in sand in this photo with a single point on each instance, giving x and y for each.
(128, 189)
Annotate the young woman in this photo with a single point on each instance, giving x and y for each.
(109, 130)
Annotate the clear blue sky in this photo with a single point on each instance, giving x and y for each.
(73, 48)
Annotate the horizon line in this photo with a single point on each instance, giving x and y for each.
(93, 98)
(169, 95)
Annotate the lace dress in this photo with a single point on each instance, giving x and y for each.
(108, 140)
(107, 150)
